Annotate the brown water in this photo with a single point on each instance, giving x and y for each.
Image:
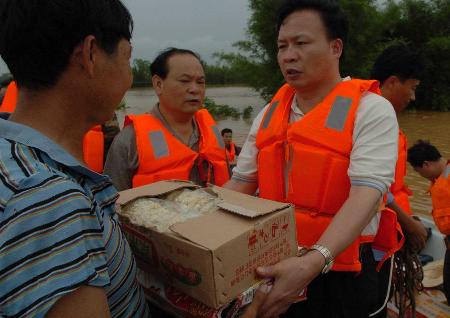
(430, 126)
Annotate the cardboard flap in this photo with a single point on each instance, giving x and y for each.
(153, 190)
(246, 205)
(212, 230)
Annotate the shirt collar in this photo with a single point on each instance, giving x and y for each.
(193, 139)
(30, 137)
(297, 110)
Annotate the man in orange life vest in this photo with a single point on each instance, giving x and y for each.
(398, 70)
(232, 150)
(329, 146)
(428, 162)
(177, 139)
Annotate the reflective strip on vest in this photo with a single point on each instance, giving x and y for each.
(218, 136)
(339, 112)
(159, 144)
(447, 172)
(270, 114)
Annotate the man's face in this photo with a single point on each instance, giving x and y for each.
(429, 170)
(183, 89)
(227, 138)
(402, 93)
(115, 78)
(305, 54)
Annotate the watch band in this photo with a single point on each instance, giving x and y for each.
(326, 253)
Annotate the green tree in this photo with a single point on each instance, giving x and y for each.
(141, 72)
(364, 37)
(424, 24)
(222, 74)
(256, 59)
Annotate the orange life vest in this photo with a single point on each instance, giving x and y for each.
(163, 157)
(385, 239)
(399, 189)
(231, 154)
(440, 197)
(94, 149)
(389, 238)
(306, 162)
(10, 99)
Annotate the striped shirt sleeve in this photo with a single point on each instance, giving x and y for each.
(51, 243)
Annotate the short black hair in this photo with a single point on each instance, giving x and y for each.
(422, 151)
(159, 65)
(398, 60)
(226, 130)
(333, 18)
(37, 37)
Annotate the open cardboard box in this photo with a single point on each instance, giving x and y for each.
(213, 258)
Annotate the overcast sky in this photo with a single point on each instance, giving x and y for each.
(205, 26)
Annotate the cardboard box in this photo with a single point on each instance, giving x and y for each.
(213, 258)
(179, 305)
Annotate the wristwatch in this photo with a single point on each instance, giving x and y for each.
(329, 259)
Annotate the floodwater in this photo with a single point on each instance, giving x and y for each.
(430, 126)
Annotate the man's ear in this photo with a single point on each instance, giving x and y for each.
(391, 81)
(337, 47)
(85, 55)
(158, 84)
(426, 164)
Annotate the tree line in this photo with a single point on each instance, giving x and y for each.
(222, 73)
(422, 24)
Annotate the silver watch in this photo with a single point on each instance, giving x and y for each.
(329, 259)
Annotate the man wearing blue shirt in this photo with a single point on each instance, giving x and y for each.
(62, 253)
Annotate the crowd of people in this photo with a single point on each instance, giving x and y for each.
(328, 144)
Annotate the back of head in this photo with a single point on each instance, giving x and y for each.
(422, 151)
(398, 60)
(37, 37)
(333, 17)
(159, 65)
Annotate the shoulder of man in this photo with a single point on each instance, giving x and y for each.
(50, 228)
(127, 136)
(376, 105)
(23, 171)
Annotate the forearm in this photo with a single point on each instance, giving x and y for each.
(352, 218)
(403, 218)
(84, 302)
(415, 231)
(241, 186)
